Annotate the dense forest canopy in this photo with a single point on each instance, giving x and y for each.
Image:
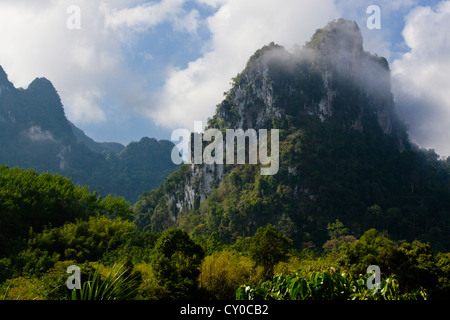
(73, 226)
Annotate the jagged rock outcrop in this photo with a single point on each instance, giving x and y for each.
(313, 81)
(33, 128)
(331, 78)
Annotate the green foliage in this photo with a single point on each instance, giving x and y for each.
(137, 245)
(210, 244)
(222, 273)
(443, 265)
(45, 218)
(54, 280)
(116, 207)
(415, 264)
(373, 248)
(268, 247)
(35, 261)
(336, 229)
(84, 240)
(325, 286)
(31, 200)
(151, 211)
(22, 289)
(176, 261)
(115, 286)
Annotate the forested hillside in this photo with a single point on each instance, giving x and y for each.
(344, 154)
(48, 224)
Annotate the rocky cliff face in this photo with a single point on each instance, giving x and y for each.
(33, 123)
(331, 78)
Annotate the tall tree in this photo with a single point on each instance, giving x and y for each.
(268, 247)
(176, 261)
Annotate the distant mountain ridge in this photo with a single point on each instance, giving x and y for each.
(94, 145)
(35, 133)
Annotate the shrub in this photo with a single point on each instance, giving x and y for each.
(223, 272)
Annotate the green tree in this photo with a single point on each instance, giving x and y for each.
(443, 263)
(336, 229)
(373, 248)
(223, 272)
(338, 235)
(175, 262)
(84, 240)
(31, 200)
(116, 207)
(268, 247)
(421, 269)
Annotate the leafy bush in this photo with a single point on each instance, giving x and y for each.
(223, 272)
(176, 261)
(84, 240)
(31, 200)
(22, 289)
(268, 247)
(117, 285)
(325, 286)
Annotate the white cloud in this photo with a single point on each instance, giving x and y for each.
(142, 17)
(36, 42)
(36, 134)
(84, 65)
(89, 66)
(238, 29)
(357, 8)
(377, 41)
(421, 77)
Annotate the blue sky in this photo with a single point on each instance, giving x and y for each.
(144, 68)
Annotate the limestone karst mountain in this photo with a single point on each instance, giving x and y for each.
(344, 153)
